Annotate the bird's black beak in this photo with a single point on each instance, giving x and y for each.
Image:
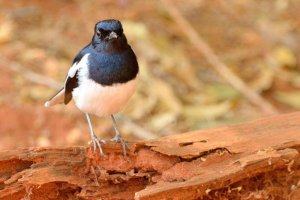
(112, 35)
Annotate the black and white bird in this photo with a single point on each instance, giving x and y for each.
(102, 77)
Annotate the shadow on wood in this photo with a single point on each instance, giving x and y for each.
(257, 160)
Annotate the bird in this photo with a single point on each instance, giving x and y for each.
(102, 78)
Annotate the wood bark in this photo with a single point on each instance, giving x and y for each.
(255, 160)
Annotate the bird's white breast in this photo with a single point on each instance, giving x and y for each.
(91, 97)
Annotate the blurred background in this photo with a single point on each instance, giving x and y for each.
(187, 82)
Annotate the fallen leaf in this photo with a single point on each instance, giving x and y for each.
(221, 92)
(285, 57)
(212, 111)
(165, 93)
(161, 120)
(263, 80)
(289, 98)
(6, 31)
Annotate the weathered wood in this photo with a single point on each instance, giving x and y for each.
(207, 164)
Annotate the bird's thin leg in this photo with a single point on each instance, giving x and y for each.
(117, 137)
(95, 140)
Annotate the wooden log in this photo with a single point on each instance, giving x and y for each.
(256, 160)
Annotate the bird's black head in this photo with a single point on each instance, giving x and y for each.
(108, 30)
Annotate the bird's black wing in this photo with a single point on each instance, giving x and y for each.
(72, 79)
(71, 83)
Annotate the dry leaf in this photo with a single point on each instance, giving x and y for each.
(290, 76)
(6, 31)
(202, 112)
(135, 30)
(221, 92)
(285, 57)
(165, 93)
(289, 98)
(140, 106)
(263, 80)
(161, 120)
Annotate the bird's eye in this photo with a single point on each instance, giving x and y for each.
(119, 32)
(98, 33)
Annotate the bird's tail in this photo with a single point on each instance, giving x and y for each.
(56, 99)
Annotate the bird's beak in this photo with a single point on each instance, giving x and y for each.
(112, 35)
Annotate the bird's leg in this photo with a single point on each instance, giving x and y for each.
(95, 140)
(117, 137)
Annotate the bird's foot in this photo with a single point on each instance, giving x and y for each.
(97, 144)
(118, 138)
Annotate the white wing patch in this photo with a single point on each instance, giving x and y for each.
(76, 66)
(72, 70)
(59, 97)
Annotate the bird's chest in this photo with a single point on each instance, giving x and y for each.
(100, 100)
(112, 69)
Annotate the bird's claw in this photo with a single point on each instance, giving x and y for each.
(118, 138)
(97, 143)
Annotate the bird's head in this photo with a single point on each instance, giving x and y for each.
(108, 30)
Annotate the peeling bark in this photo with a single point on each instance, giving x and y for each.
(230, 162)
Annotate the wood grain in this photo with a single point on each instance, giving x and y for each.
(184, 166)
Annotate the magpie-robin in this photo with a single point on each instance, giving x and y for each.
(102, 77)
